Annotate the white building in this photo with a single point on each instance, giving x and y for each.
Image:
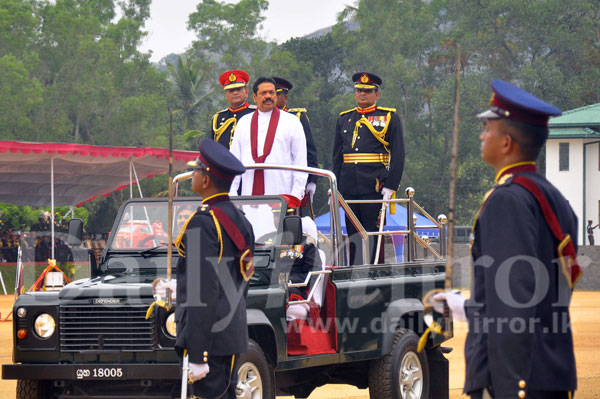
(573, 163)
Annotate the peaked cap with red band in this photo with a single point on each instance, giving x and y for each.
(512, 102)
(234, 79)
(217, 161)
(366, 80)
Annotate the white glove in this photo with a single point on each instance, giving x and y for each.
(197, 371)
(387, 193)
(455, 301)
(310, 189)
(160, 288)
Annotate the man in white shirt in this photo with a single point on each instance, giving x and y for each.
(273, 137)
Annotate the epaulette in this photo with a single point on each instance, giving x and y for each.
(386, 109)
(216, 115)
(347, 111)
(204, 209)
(296, 110)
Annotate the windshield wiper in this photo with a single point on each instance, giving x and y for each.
(150, 251)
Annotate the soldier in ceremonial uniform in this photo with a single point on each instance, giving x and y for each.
(519, 343)
(223, 123)
(215, 263)
(368, 157)
(283, 87)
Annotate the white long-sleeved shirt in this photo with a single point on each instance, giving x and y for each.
(289, 148)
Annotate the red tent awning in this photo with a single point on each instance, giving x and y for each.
(81, 172)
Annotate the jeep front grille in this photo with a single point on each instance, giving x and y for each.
(99, 328)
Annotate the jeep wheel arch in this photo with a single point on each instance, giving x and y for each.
(402, 313)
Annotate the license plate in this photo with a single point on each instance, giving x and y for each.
(100, 373)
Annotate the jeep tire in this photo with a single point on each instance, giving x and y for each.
(255, 377)
(32, 389)
(401, 374)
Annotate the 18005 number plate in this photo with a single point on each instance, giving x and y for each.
(100, 373)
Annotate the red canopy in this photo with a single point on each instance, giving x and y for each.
(81, 172)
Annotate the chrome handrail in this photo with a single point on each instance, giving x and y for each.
(305, 283)
(337, 201)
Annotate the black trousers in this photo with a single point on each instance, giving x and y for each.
(531, 395)
(221, 380)
(368, 215)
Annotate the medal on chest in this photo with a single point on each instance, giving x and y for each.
(377, 120)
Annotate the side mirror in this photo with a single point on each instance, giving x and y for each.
(292, 230)
(75, 232)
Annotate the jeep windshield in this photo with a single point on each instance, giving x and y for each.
(142, 224)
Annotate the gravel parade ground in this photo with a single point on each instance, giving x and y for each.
(585, 313)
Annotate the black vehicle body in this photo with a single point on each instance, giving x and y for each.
(103, 346)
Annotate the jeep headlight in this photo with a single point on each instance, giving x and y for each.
(44, 325)
(170, 325)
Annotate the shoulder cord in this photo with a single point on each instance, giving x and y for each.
(179, 240)
(379, 135)
(219, 235)
(219, 132)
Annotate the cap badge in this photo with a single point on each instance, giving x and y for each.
(492, 99)
(364, 78)
(232, 77)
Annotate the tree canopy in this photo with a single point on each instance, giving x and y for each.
(72, 72)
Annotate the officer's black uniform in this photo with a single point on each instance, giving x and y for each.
(519, 343)
(212, 330)
(311, 148)
(222, 126)
(368, 154)
(305, 259)
(223, 123)
(283, 85)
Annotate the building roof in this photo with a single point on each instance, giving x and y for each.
(579, 117)
(581, 122)
(573, 133)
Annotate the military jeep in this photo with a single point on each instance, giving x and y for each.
(92, 339)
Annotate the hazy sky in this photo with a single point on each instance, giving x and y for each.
(167, 31)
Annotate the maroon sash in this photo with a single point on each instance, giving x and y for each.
(244, 256)
(258, 187)
(565, 249)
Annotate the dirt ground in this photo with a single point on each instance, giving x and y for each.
(585, 312)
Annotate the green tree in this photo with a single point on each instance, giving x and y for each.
(95, 85)
(18, 27)
(19, 96)
(192, 90)
(227, 31)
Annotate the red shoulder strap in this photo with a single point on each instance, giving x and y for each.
(566, 249)
(230, 228)
(245, 255)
